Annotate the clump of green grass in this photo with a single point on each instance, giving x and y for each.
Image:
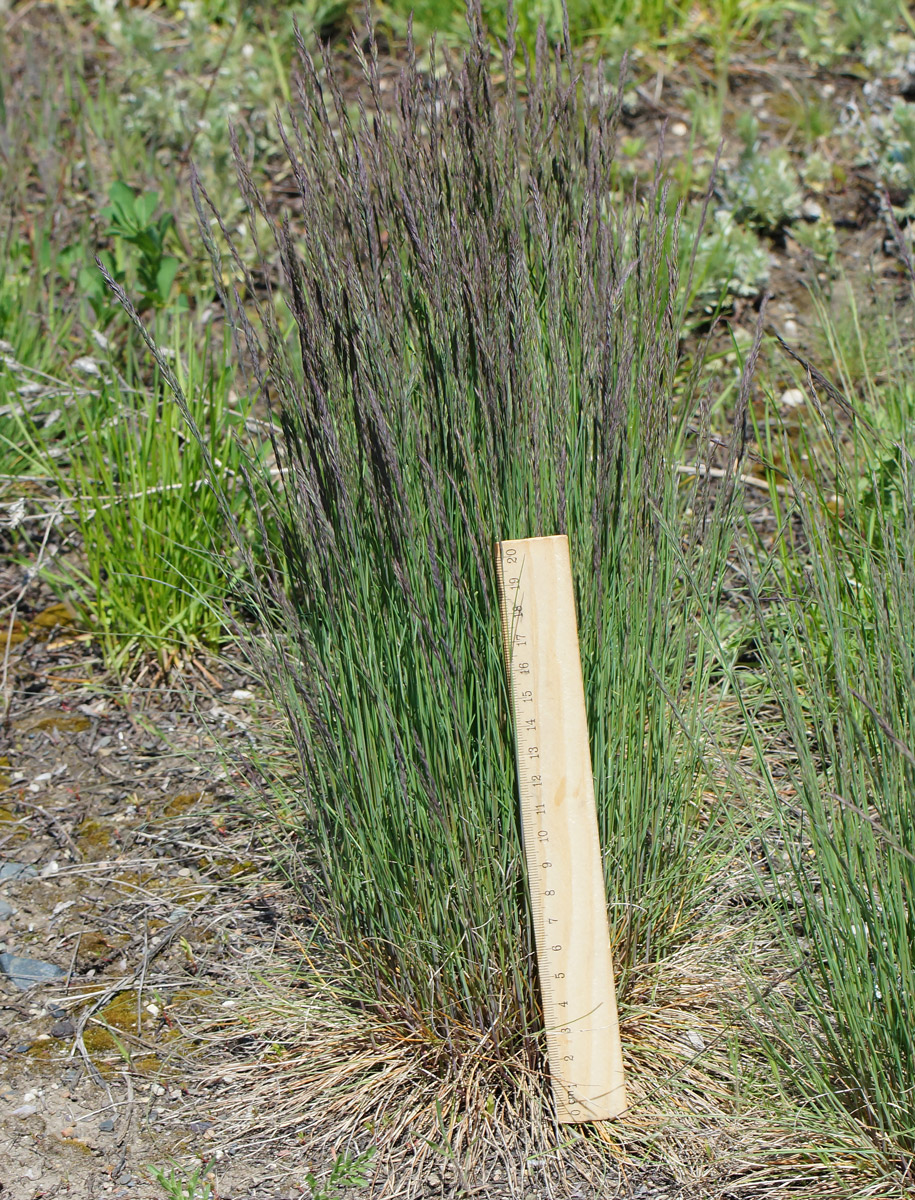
(482, 347)
(123, 471)
(180, 1184)
(835, 606)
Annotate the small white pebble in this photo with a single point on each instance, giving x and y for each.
(792, 398)
(229, 1003)
(242, 694)
(153, 1010)
(679, 129)
(86, 366)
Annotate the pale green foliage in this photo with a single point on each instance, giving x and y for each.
(819, 239)
(842, 27)
(729, 261)
(181, 104)
(897, 159)
(765, 189)
(861, 24)
(817, 171)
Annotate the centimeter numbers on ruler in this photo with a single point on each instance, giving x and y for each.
(559, 823)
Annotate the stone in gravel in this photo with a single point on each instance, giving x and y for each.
(6, 910)
(793, 398)
(16, 870)
(200, 1126)
(23, 1048)
(56, 1011)
(63, 1029)
(23, 973)
(106, 1126)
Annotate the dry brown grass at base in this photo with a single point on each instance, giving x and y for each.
(297, 1074)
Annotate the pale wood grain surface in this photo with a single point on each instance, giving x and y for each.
(559, 821)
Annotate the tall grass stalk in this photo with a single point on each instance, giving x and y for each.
(836, 611)
(484, 346)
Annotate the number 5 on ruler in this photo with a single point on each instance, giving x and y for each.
(559, 823)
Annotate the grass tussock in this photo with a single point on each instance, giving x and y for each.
(834, 604)
(474, 337)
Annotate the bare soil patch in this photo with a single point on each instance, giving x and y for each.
(131, 892)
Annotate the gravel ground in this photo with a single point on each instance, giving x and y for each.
(131, 909)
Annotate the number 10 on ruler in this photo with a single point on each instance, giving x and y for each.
(559, 823)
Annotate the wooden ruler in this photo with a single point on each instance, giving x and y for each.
(559, 822)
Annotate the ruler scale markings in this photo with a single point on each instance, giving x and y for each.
(559, 824)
